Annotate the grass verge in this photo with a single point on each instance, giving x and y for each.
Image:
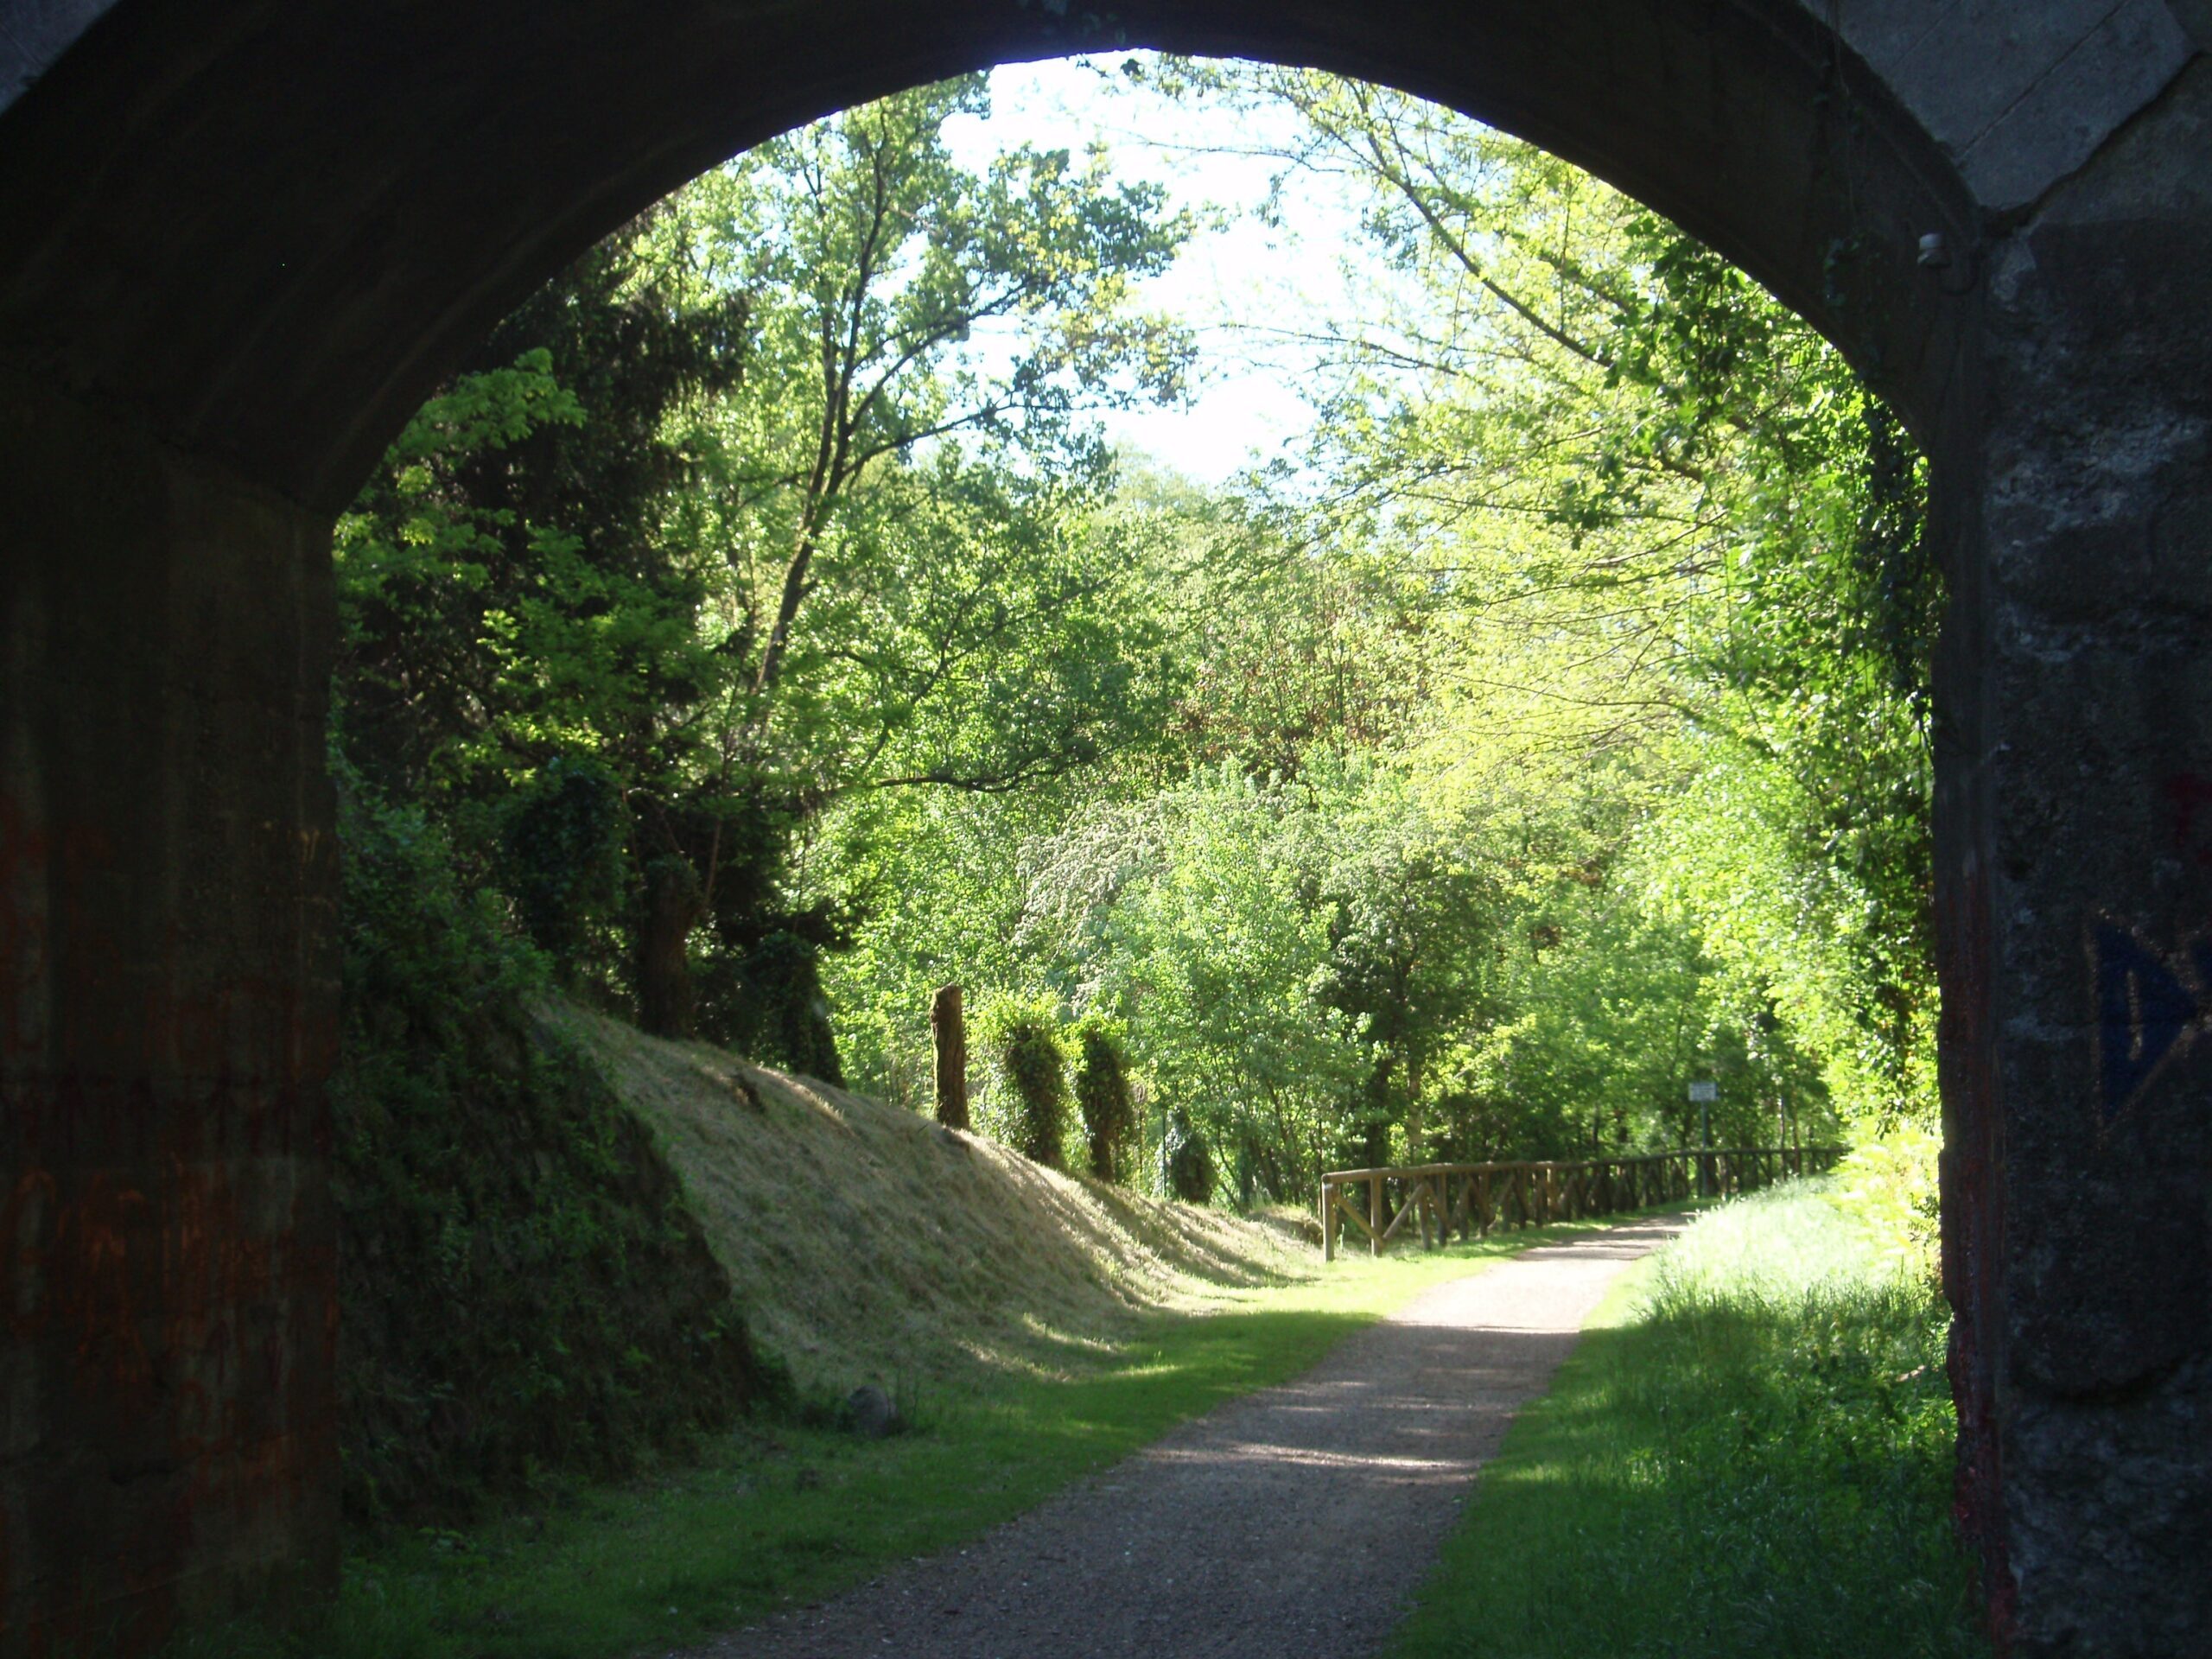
(776, 1517)
(1749, 1453)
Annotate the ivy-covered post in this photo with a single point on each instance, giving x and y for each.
(950, 1031)
(1024, 1036)
(1101, 1091)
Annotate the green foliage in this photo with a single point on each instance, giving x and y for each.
(1185, 1160)
(523, 1292)
(1104, 1097)
(1757, 1461)
(1556, 735)
(1194, 919)
(654, 531)
(562, 842)
(1890, 1185)
(772, 1008)
(1023, 1038)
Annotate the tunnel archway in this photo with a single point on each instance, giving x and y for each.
(238, 242)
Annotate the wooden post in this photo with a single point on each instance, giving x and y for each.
(950, 1029)
(1374, 1213)
(1328, 1222)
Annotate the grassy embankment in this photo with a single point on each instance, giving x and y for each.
(1749, 1454)
(1037, 1326)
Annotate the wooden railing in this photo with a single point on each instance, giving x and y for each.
(1475, 1198)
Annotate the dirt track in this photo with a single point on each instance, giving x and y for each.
(1295, 1521)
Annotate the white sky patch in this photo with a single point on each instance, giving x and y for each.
(1248, 288)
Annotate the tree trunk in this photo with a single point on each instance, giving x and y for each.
(950, 1029)
(666, 1006)
(1378, 1113)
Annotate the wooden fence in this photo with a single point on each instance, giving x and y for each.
(1474, 1199)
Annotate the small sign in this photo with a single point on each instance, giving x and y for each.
(1704, 1092)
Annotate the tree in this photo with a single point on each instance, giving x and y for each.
(909, 593)
(781, 495)
(1508, 786)
(1575, 421)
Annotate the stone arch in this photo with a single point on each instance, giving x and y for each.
(240, 238)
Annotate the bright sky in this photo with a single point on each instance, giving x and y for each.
(1245, 286)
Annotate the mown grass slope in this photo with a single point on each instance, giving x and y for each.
(869, 1245)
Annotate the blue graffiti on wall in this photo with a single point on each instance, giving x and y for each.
(2151, 1007)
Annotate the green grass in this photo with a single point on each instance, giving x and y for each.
(777, 1515)
(1750, 1453)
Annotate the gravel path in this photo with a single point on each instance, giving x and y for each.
(1296, 1520)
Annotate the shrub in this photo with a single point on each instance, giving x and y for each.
(1102, 1092)
(1890, 1185)
(1185, 1161)
(1025, 1041)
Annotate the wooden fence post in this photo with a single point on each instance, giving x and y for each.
(950, 1029)
(1374, 1212)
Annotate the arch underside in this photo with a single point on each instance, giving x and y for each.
(307, 213)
